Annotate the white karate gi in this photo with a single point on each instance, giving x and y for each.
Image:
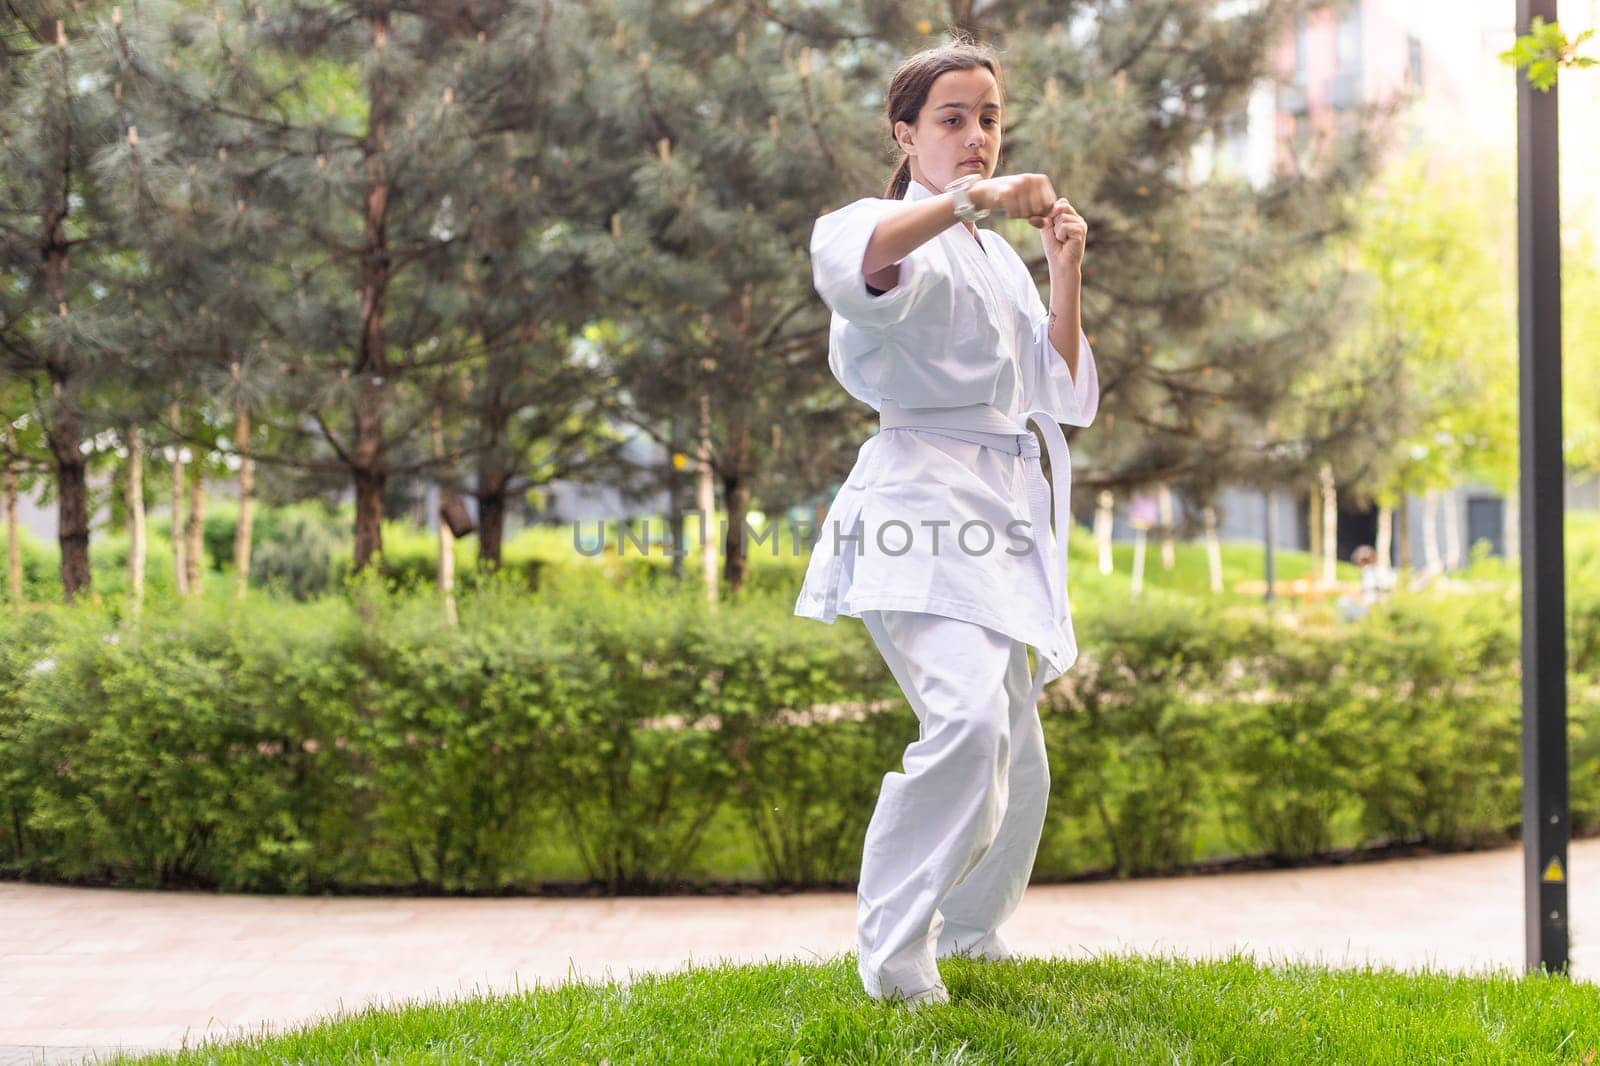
(957, 360)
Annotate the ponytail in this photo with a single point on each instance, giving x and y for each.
(896, 189)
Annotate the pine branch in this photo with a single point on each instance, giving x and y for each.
(1156, 25)
(333, 442)
(828, 32)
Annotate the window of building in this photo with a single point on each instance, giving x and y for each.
(1348, 38)
(1300, 49)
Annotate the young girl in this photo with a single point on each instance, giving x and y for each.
(940, 538)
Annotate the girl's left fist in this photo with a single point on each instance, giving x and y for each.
(1064, 234)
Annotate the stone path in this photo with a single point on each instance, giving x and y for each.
(85, 970)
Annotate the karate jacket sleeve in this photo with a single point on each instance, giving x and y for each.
(871, 334)
(1046, 382)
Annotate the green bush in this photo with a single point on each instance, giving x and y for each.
(1295, 725)
(1443, 763)
(302, 552)
(808, 728)
(362, 741)
(174, 751)
(1137, 740)
(458, 741)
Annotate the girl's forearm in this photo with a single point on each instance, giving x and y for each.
(1066, 314)
(900, 231)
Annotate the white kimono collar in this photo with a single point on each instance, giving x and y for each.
(915, 190)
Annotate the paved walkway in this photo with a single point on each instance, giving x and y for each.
(85, 970)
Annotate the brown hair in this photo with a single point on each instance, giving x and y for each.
(912, 81)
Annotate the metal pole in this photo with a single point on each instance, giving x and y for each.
(1544, 664)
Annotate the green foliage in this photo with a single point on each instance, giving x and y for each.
(799, 733)
(1544, 50)
(1441, 761)
(1580, 347)
(610, 720)
(300, 551)
(1137, 739)
(175, 752)
(1295, 733)
(458, 733)
(1439, 255)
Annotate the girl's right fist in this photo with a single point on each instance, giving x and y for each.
(1029, 196)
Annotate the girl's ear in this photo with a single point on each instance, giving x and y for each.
(903, 137)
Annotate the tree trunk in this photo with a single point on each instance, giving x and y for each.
(1169, 556)
(736, 493)
(243, 532)
(180, 568)
(447, 538)
(369, 516)
(194, 529)
(706, 500)
(1138, 561)
(1453, 558)
(493, 479)
(65, 431)
(1385, 545)
(1314, 529)
(1213, 550)
(1104, 517)
(1402, 533)
(491, 523)
(13, 531)
(372, 367)
(1430, 532)
(675, 505)
(1330, 526)
(72, 492)
(736, 561)
(134, 498)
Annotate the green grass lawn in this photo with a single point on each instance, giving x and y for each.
(1109, 1009)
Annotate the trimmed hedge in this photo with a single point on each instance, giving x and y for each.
(606, 734)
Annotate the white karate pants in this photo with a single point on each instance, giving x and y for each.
(952, 841)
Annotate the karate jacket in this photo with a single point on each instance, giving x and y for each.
(964, 325)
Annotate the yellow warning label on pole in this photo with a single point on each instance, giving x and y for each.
(1553, 872)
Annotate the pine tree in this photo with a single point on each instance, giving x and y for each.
(56, 114)
(722, 121)
(197, 293)
(1208, 303)
(322, 136)
(530, 404)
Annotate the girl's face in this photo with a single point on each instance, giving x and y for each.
(958, 130)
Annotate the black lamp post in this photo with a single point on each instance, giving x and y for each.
(1545, 830)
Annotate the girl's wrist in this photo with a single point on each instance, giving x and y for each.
(979, 191)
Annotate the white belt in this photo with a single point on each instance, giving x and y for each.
(988, 425)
